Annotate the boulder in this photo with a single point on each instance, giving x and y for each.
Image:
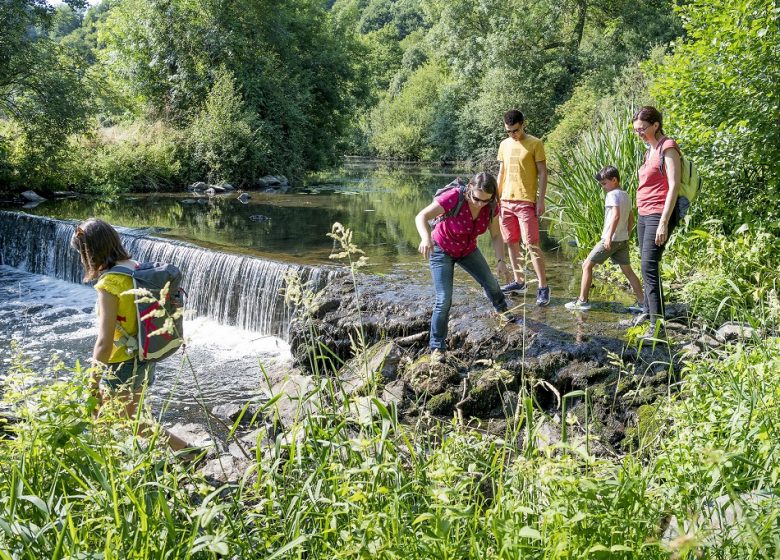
(32, 196)
(732, 331)
(243, 198)
(199, 186)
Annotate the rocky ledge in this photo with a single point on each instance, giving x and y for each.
(603, 379)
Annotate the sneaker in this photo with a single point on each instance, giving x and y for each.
(515, 288)
(637, 307)
(438, 356)
(505, 317)
(651, 335)
(543, 296)
(578, 305)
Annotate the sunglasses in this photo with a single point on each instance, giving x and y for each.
(478, 200)
(642, 130)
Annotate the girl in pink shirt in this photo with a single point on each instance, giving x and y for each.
(454, 241)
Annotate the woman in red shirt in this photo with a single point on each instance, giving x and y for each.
(656, 200)
(454, 240)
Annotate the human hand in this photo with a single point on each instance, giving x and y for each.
(425, 248)
(539, 208)
(660, 234)
(608, 243)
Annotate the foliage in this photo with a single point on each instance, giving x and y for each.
(135, 158)
(225, 136)
(166, 57)
(577, 200)
(728, 277)
(719, 92)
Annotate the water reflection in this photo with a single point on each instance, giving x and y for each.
(377, 202)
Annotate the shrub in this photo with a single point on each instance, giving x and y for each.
(138, 158)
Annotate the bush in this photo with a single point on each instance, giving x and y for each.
(139, 158)
(225, 138)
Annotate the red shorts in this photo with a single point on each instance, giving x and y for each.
(519, 221)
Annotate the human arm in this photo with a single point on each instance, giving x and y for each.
(672, 165)
(615, 218)
(500, 180)
(107, 305)
(541, 171)
(498, 249)
(421, 221)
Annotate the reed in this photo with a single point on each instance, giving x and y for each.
(576, 199)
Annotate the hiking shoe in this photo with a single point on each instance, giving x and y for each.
(438, 356)
(577, 305)
(505, 317)
(637, 307)
(543, 296)
(650, 335)
(515, 288)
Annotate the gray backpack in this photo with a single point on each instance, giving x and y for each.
(153, 341)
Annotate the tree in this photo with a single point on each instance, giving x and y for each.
(719, 93)
(43, 95)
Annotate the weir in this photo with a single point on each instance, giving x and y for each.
(227, 288)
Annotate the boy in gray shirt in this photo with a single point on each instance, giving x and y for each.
(618, 223)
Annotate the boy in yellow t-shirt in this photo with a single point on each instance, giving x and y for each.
(522, 184)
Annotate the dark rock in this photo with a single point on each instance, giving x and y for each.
(259, 218)
(243, 198)
(200, 186)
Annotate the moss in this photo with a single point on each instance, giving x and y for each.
(442, 403)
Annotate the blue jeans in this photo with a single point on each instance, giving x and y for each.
(443, 271)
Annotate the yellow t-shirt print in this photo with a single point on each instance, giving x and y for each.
(520, 175)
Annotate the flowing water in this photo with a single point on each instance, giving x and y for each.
(235, 257)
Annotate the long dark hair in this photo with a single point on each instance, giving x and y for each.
(99, 247)
(651, 115)
(485, 182)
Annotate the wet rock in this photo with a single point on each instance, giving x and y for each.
(243, 198)
(259, 218)
(210, 192)
(32, 196)
(426, 378)
(227, 187)
(199, 186)
(732, 331)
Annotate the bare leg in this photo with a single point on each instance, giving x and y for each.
(131, 401)
(636, 285)
(518, 265)
(537, 260)
(587, 279)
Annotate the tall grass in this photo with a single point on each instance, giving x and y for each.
(576, 199)
(332, 484)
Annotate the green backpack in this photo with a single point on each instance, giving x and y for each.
(690, 182)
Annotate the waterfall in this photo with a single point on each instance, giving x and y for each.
(230, 289)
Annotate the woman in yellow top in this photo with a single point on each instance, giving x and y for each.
(100, 249)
